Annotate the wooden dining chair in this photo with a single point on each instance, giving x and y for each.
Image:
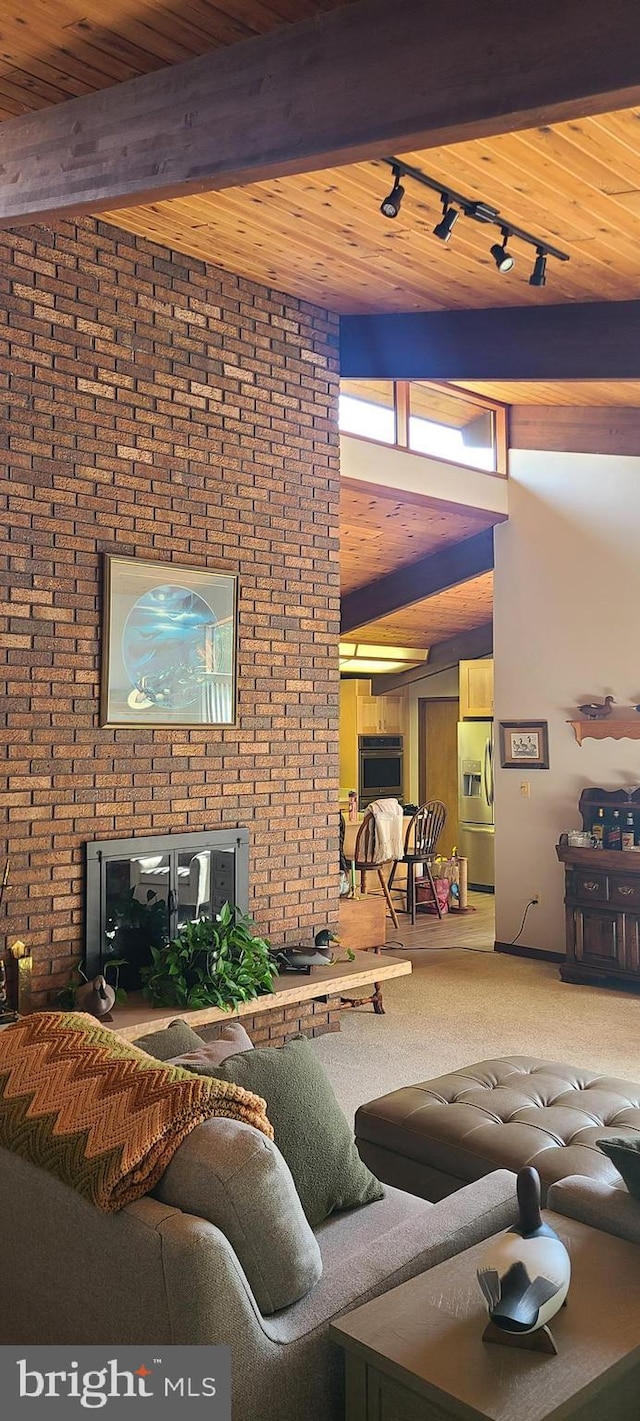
(420, 844)
(364, 859)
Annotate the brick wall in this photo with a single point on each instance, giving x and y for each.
(155, 406)
(275, 1028)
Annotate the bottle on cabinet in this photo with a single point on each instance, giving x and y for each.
(629, 832)
(597, 830)
(613, 831)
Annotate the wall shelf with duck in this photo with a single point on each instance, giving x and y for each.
(597, 722)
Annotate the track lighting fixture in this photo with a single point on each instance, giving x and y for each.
(445, 226)
(539, 274)
(455, 205)
(392, 204)
(502, 258)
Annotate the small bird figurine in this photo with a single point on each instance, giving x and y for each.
(526, 1271)
(595, 710)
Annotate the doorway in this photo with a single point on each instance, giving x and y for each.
(438, 761)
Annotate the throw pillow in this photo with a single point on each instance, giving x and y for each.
(233, 1176)
(309, 1127)
(624, 1153)
(233, 1038)
(174, 1040)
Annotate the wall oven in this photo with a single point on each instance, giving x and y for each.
(379, 768)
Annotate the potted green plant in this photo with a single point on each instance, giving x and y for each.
(217, 962)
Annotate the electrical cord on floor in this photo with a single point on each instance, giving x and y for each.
(520, 931)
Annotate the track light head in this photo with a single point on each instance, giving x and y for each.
(502, 258)
(392, 204)
(539, 274)
(445, 226)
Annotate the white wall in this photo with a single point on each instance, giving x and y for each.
(566, 630)
(417, 473)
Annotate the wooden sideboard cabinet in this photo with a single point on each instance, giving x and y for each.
(602, 900)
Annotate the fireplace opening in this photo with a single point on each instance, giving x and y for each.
(140, 891)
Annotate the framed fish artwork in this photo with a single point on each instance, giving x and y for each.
(169, 645)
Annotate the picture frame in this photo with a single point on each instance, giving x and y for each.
(524, 745)
(169, 645)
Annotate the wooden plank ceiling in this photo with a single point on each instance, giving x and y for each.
(435, 619)
(52, 50)
(320, 236)
(586, 393)
(382, 530)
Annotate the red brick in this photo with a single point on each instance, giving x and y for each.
(206, 439)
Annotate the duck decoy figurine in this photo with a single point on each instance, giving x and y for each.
(526, 1274)
(597, 710)
(95, 997)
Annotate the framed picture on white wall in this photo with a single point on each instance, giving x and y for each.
(524, 744)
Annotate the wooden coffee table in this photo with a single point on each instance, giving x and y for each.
(416, 1353)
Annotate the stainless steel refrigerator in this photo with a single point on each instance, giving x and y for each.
(475, 801)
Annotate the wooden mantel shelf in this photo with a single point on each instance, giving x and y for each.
(136, 1017)
(607, 729)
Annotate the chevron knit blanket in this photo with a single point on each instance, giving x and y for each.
(98, 1112)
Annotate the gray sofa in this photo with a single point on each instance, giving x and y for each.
(155, 1273)
(598, 1203)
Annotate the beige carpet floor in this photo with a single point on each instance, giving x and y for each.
(459, 1007)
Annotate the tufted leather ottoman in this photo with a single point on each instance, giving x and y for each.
(432, 1138)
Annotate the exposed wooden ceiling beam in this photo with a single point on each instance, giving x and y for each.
(424, 578)
(594, 340)
(357, 82)
(573, 429)
(442, 656)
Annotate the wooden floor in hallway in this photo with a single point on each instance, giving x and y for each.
(474, 929)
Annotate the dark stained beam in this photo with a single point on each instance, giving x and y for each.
(573, 342)
(575, 429)
(424, 578)
(443, 655)
(358, 82)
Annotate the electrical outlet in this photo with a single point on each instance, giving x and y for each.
(536, 898)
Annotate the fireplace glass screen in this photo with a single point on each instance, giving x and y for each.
(141, 891)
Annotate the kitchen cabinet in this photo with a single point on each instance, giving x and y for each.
(380, 715)
(476, 689)
(602, 901)
(368, 715)
(364, 714)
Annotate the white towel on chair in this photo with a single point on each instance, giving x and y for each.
(389, 836)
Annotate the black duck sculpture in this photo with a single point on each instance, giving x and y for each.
(597, 710)
(527, 1271)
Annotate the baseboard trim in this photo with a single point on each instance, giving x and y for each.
(513, 949)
